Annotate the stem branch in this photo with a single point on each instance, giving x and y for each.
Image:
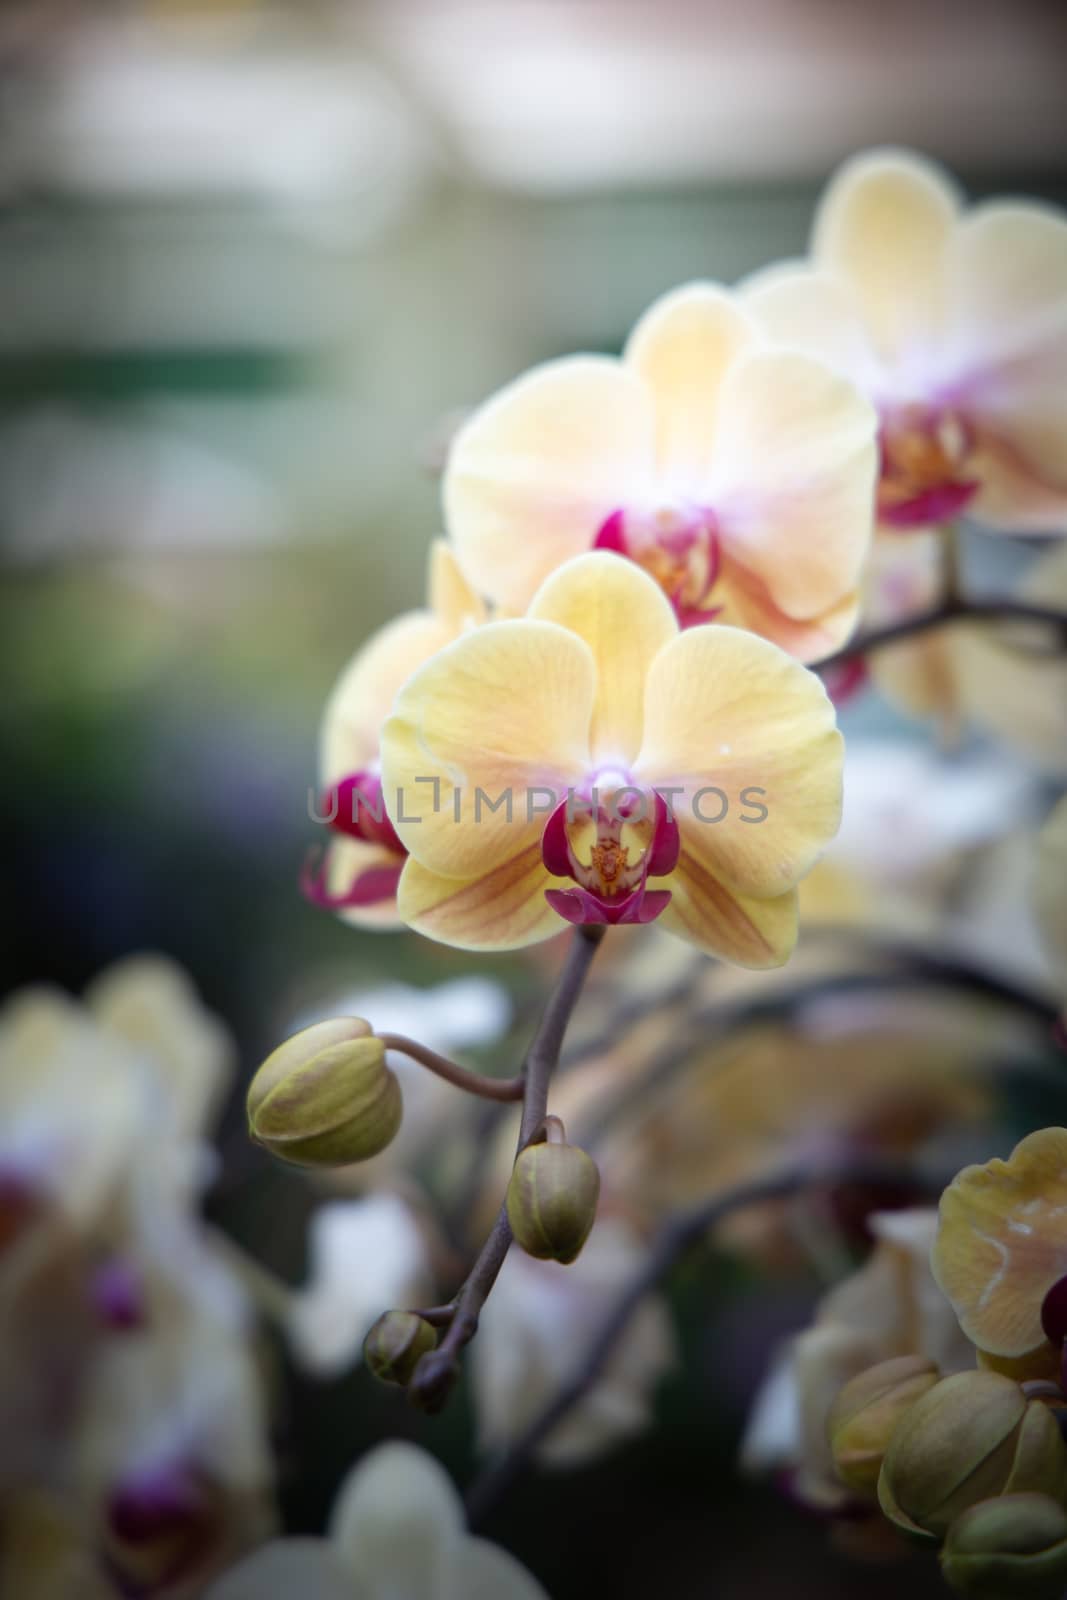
(452, 1072)
(952, 609)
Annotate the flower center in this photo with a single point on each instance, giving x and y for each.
(610, 845)
(678, 545)
(923, 470)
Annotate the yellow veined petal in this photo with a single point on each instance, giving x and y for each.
(1001, 1243)
(499, 715)
(731, 714)
(804, 309)
(1009, 305)
(363, 695)
(795, 469)
(504, 909)
(884, 224)
(747, 603)
(535, 471)
(451, 597)
(682, 348)
(732, 926)
(625, 619)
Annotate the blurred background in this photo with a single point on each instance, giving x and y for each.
(255, 261)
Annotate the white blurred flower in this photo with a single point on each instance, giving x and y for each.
(366, 1256)
(534, 1331)
(396, 1533)
(890, 1307)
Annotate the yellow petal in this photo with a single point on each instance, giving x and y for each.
(804, 309)
(625, 619)
(727, 711)
(535, 471)
(796, 464)
(683, 347)
(500, 910)
(1009, 304)
(747, 603)
(1002, 1244)
(364, 693)
(490, 720)
(884, 225)
(451, 597)
(732, 926)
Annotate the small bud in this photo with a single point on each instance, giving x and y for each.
(552, 1200)
(866, 1412)
(970, 1437)
(393, 1346)
(1015, 1545)
(325, 1098)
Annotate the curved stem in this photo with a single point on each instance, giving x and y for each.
(951, 609)
(438, 1370)
(452, 1072)
(676, 1237)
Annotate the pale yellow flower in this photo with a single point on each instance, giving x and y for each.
(739, 476)
(954, 323)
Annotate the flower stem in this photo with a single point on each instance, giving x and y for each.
(452, 1072)
(438, 1370)
(949, 610)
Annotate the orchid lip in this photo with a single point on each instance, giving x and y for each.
(355, 806)
(679, 546)
(370, 887)
(609, 888)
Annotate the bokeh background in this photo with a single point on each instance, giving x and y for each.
(255, 260)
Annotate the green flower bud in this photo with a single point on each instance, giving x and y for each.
(863, 1417)
(394, 1345)
(325, 1098)
(972, 1436)
(1016, 1545)
(552, 1200)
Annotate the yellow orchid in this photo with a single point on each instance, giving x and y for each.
(591, 762)
(740, 476)
(1001, 1250)
(954, 323)
(363, 864)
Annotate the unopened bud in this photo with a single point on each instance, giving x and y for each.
(865, 1414)
(325, 1098)
(971, 1437)
(552, 1198)
(1014, 1545)
(393, 1346)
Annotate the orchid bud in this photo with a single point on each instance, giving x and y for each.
(865, 1414)
(970, 1437)
(1014, 1545)
(395, 1343)
(325, 1098)
(551, 1201)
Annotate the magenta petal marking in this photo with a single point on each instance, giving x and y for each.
(555, 850)
(369, 887)
(117, 1295)
(666, 843)
(846, 679)
(356, 808)
(611, 535)
(933, 505)
(581, 905)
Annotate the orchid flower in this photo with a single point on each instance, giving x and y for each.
(590, 762)
(954, 323)
(364, 861)
(740, 477)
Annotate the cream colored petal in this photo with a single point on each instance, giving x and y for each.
(503, 909)
(625, 619)
(804, 309)
(732, 926)
(363, 695)
(536, 471)
(479, 1570)
(727, 711)
(796, 463)
(747, 603)
(451, 597)
(1009, 303)
(683, 347)
(307, 1568)
(1001, 1243)
(496, 716)
(396, 1522)
(884, 225)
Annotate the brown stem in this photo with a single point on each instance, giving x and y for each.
(438, 1370)
(452, 1072)
(676, 1237)
(950, 610)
